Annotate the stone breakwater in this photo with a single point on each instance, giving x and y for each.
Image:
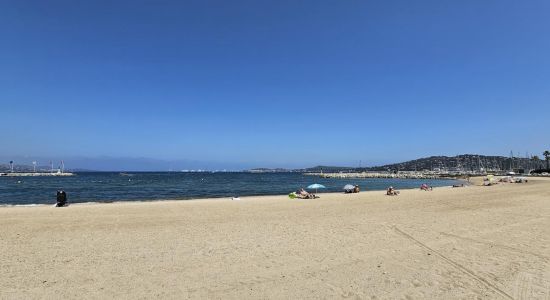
(402, 175)
(35, 174)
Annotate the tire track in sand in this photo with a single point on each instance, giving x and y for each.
(542, 257)
(455, 264)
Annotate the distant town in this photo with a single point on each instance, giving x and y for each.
(455, 165)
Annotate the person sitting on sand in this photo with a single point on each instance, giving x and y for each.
(391, 191)
(425, 187)
(61, 198)
(356, 189)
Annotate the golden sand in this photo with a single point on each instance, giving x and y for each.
(452, 243)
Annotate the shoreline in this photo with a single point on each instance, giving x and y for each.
(247, 197)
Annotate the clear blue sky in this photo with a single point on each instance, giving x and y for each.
(276, 83)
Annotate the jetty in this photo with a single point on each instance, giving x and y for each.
(25, 171)
(402, 174)
(27, 174)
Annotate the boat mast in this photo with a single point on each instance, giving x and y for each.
(511, 160)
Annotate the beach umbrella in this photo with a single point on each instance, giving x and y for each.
(316, 186)
(349, 187)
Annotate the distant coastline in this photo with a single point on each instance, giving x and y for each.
(449, 165)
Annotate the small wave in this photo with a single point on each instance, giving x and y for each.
(23, 205)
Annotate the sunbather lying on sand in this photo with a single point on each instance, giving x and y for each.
(304, 194)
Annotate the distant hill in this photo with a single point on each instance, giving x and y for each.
(466, 162)
(327, 169)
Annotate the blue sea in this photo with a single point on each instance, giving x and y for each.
(110, 187)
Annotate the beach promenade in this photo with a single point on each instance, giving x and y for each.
(451, 243)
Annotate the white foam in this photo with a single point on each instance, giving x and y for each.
(22, 205)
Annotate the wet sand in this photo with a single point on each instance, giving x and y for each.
(451, 243)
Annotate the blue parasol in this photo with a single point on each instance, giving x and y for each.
(316, 186)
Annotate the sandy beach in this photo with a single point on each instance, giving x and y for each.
(451, 243)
